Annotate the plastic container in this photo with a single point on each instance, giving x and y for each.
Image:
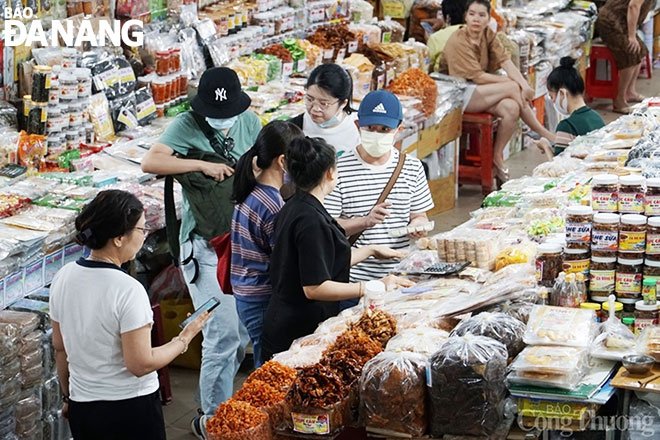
(548, 263)
(646, 315)
(629, 279)
(163, 62)
(632, 236)
(374, 295)
(602, 276)
(631, 194)
(652, 198)
(605, 311)
(84, 77)
(576, 261)
(605, 235)
(68, 86)
(605, 193)
(579, 221)
(69, 58)
(649, 292)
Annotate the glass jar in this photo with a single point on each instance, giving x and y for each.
(605, 311)
(576, 261)
(602, 277)
(548, 263)
(53, 124)
(163, 62)
(646, 315)
(579, 220)
(632, 235)
(159, 90)
(41, 83)
(175, 60)
(605, 234)
(68, 87)
(649, 286)
(183, 85)
(631, 195)
(605, 193)
(652, 199)
(629, 279)
(69, 58)
(84, 78)
(629, 322)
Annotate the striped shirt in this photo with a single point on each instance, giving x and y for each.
(357, 191)
(252, 241)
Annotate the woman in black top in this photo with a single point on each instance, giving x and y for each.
(312, 257)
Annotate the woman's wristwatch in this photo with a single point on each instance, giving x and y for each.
(183, 340)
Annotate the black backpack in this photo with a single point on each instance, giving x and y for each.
(209, 200)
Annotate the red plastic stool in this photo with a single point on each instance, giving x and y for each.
(476, 159)
(158, 339)
(602, 88)
(647, 67)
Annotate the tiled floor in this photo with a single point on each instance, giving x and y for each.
(184, 382)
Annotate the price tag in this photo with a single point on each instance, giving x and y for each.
(329, 54)
(352, 46)
(287, 69)
(387, 37)
(340, 55)
(302, 65)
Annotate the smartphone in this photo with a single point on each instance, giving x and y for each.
(427, 27)
(208, 306)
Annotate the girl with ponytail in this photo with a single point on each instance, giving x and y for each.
(258, 178)
(566, 90)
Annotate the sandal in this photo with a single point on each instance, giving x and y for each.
(622, 111)
(636, 98)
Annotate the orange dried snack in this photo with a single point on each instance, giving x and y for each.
(275, 374)
(361, 346)
(259, 394)
(416, 83)
(234, 416)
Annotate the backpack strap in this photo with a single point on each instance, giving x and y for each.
(171, 222)
(219, 147)
(386, 192)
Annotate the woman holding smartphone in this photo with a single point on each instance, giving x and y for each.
(102, 329)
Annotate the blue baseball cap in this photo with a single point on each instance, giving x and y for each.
(380, 108)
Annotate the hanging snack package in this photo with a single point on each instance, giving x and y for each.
(31, 150)
(145, 106)
(550, 325)
(99, 110)
(127, 80)
(499, 326)
(105, 78)
(467, 386)
(123, 112)
(393, 393)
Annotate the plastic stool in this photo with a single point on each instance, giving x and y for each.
(599, 88)
(476, 159)
(158, 339)
(647, 67)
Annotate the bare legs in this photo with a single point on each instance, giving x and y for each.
(631, 92)
(627, 86)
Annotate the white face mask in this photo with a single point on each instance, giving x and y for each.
(377, 144)
(561, 105)
(336, 119)
(222, 124)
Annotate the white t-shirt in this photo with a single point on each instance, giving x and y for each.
(94, 303)
(358, 188)
(344, 137)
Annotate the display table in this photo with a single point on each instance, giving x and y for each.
(648, 383)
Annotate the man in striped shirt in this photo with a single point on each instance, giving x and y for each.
(363, 175)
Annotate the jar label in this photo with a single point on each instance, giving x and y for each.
(69, 91)
(605, 240)
(629, 283)
(653, 243)
(652, 205)
(311, 424)
(642, 323)
(632, 241)
(578, 232)
(631, 202)
(604, 201)
(602, 280)
(577, 266)
(539, 270)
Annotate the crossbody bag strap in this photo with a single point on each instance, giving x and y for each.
(210, 134)
(386, 192)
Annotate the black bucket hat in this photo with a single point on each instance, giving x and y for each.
(219, 94)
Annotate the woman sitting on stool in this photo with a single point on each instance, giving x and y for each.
(473, 53)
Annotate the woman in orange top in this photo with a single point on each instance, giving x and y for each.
(473, 53)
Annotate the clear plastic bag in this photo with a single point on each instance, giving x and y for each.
(300, 357)
(550, 325)
(31, 342)
(467, 386)
(422, 340)
(393, 393)
(26, 322)
(499, 326)
(417, 261)
(649, 342)
(613, 339)
(9, 334)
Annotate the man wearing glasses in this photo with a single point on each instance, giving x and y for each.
(219, 122)
(364, 175)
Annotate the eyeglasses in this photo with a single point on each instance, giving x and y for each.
(323, 105)
(144, 230)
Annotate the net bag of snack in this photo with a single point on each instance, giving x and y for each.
(467, 386)
(499, 326)
(393, 393)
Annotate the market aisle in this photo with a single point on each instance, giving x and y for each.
(184, 381)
